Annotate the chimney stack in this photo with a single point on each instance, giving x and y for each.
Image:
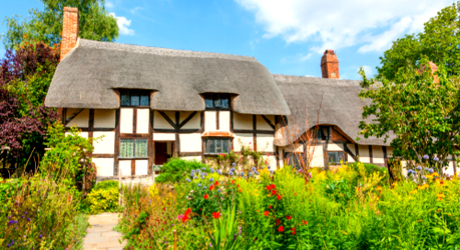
(69, 30)
(330, 65)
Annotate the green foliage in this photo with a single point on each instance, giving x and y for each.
(95, 23)
(105, 185)
(370, 169)
(225, 229)
(103, 199)
(439, 43)
(40, 214)
(177, 170)
(423, 115)
(68, 157)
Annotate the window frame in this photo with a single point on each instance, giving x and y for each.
(214, 97)
(134, 149)
(139, 93)
(293, 155)
(320, 135)
(206, 147)
(335, 163)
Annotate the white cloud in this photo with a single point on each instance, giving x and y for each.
(368, 70)
(135, 9)
(339, 24)
(123, 25)
(109, 4)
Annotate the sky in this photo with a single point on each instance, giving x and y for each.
(287, 36)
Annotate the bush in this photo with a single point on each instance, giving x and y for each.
(102, 198)
(176, 170)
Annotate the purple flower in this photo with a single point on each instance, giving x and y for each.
(230, 173)
(211, 179)
(426, 157)
(435, 159)
(419, 168)
(234, 164)
(188, 180)
(12, 222)
(242, 174)
(40, 236)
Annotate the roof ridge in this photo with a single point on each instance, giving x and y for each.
(161, 51)
(314, 80)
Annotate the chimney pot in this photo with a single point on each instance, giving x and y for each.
(69, 30)
(330, 65)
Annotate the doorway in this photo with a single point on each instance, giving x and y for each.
(163, 151)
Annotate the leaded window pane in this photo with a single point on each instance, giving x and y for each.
(134, 100)
(141, 148)
(125, 100)
(126, 148)
(211, 146)
(144, 100)
(208, 102)
(335, 157)
(224, 146)
(217, 102)
(225, 103)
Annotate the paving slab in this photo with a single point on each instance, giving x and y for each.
(100, 235)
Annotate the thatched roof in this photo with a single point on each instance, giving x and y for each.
(89, 74)
(336, 100)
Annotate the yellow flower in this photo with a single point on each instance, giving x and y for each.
(414, 191)
(440, 196)
(436, 181)
(435, 174)
(429, 176)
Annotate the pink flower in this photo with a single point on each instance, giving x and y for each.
(180, 216)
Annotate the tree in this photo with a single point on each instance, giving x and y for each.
(95, 23)
(423, 114)
(439, 43)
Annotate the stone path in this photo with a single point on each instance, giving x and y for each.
(100, 234)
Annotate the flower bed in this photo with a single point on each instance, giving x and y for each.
(259, 209)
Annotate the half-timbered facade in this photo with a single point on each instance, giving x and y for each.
(150, 104)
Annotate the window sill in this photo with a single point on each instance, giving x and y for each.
(133, 158)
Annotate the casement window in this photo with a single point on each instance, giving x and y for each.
(135, 98)
(294, 160)
(335, 157)
(322, 133)
(217, 101)
(216, 145)
(133, 148)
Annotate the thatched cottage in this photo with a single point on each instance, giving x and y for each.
(153, 103)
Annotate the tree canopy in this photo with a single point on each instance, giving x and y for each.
(439, 43)
(95, 23)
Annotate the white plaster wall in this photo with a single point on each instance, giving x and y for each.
(364, 154)
(106, 145)
(377, 155)
(159, 122)
(352, 149)
(104, 118)
(270, 161)
(82, 134)
(224, 120)
(190, 142)
(281, 158)
(298, 147)
(125, 167)
(126, 120)
(81, 120)
(104, 166)
(242, 121)
(164, 136)
(317, 156)
(194, 123)
(141, 167)
(334, 147)
(265, 143)
(142, 125)
(262, 124)
(450, 169)
(191, 158)
(210, 121)
(169, 147)
(242, 140)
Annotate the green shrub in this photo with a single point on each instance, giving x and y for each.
(102, 198)
(177, 170)
(370, 169)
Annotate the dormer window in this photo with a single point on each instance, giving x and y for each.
(136, 98)
(217, 101)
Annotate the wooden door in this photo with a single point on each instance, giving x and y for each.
(161, 153)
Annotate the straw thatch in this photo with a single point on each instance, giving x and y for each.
(336, 100)
(89, 74)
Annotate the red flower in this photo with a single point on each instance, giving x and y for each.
(216, 215)
(233, 181)
(269, 206)
(278, 197)
(211, 187)
(239, 190)
(266, 213)
(288, 217)
(277, 221)
(216, 183)
(304, 222)
(280, 229)
(273, 192)
(293, 230)
(206, 196)
(188, 211)
(271, 186)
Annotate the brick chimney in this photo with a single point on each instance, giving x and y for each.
(69, 30)
(330, 65)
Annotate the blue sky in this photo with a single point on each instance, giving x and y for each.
(288, 37)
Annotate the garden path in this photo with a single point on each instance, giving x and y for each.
(101, 235)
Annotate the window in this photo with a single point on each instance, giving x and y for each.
(134, 98)
(217, 101)
(334, 158)
(216, 145)
(322, 133)
(294, 160)
(133, 148)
